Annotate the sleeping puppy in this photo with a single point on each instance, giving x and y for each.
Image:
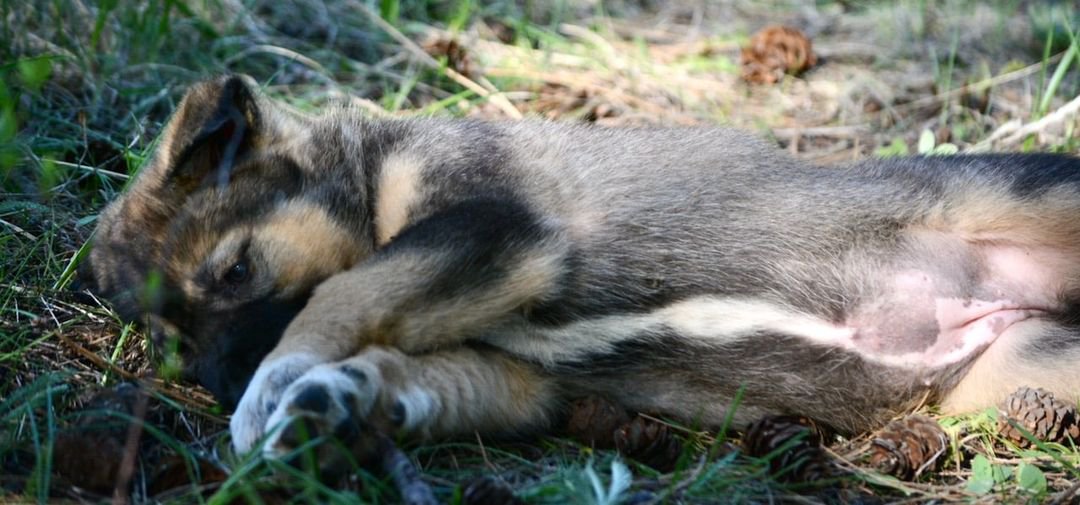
(441, 277)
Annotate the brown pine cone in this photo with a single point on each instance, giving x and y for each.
(774, 51)
(173, 472)
(906, 447)
(649, 442)
(1037, 411)
(457, 56)
(89, 453)
(488, 491)
(593, 420)
(802, 460)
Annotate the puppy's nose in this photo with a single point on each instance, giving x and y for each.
(162, 334)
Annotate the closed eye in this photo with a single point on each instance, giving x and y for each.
(237, 274)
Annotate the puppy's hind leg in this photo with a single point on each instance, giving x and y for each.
(1037, 353)
(1023, 223)
(437, 394)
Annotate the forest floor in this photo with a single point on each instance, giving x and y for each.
(86, 85)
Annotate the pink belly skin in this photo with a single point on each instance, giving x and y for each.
(965, 329)
(913, 326)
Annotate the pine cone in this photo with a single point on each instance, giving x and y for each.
(803, 460)
(174, 471)
(488, 491)
(593, 421)
(774, 51)
(649, 442)
(88, 453)
(906, 447)
(1037, 411)
(457, 57)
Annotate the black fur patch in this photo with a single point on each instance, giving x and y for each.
(476, 242)
(225, 364)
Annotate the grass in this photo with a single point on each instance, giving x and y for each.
(86, 85)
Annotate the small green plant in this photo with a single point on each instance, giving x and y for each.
(9, 126)
(987, 475)
(27, 76)
(895, 148)
(1062, 69)
(928, 145)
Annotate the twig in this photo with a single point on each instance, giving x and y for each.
(1058, 116)
(518, 53)
(48, 306)
(564, 79)
(98, 361)
(842, 50)
(18, 230)
(283, 52)
(406, 477)
(1001, 131)
(591, 37)
(1015, 131)
(371, 107)
(487, 90)
(846, 132)
(131, 449)
(1067, 495)
(483, 451)
(155, 384)
(91, 169)
(73, 307)
(993, 81)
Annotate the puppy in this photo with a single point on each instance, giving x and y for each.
(441, 277)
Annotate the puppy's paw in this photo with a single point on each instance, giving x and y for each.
(263, 397)
(328, 400)
(347, 401)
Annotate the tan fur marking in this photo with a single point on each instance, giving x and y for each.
(346, 305)
(993, 213)
(1006, 366)
(531, 278)
(471, 390)
(304, 245)
(398, 190)
(202, 248)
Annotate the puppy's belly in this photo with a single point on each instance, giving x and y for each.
(926, 332)
(932, 317)
(923, 317)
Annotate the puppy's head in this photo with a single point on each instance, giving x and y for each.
(220, 239)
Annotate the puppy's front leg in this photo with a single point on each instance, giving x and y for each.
(436, 394)
(446, 278)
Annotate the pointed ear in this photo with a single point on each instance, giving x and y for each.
(218, 122)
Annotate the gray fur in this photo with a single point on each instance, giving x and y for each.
(814, 264)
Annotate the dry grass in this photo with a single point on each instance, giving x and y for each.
(86, 86)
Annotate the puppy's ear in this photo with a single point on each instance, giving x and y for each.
(218, 122)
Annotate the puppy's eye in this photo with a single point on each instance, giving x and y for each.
(237, 274)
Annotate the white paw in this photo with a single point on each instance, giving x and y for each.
(262, 397)
(414, 409)
(330, 399)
